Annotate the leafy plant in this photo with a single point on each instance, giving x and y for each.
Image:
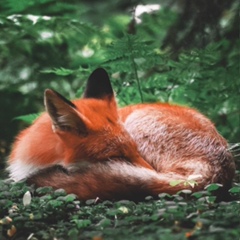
(28, 118)
(189, 182)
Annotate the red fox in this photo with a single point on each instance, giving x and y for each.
(93, 149)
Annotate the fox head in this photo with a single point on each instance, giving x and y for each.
(89, 128)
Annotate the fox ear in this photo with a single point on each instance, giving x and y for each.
(99, 85)
(64, 114)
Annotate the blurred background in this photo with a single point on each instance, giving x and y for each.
(183, 51)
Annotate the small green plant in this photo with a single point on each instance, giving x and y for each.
(186, 183)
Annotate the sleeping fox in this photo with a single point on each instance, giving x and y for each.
(92, 148)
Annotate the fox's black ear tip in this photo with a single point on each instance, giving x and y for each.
(98, 85)
(100, 72)
(100, 69)
(51, 95)
(50, 92)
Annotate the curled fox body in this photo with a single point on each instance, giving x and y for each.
(93, 149)
(85, 130)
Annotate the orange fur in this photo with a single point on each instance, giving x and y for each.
(179, 141)
(115, 153)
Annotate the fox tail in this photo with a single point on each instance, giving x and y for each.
(112, 180)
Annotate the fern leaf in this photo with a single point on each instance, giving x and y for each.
(29, 118)
(59, 71)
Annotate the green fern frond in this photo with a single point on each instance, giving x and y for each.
(59, 71)
(129, 45)
(29, 118)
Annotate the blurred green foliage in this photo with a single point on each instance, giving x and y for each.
(56, 44)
